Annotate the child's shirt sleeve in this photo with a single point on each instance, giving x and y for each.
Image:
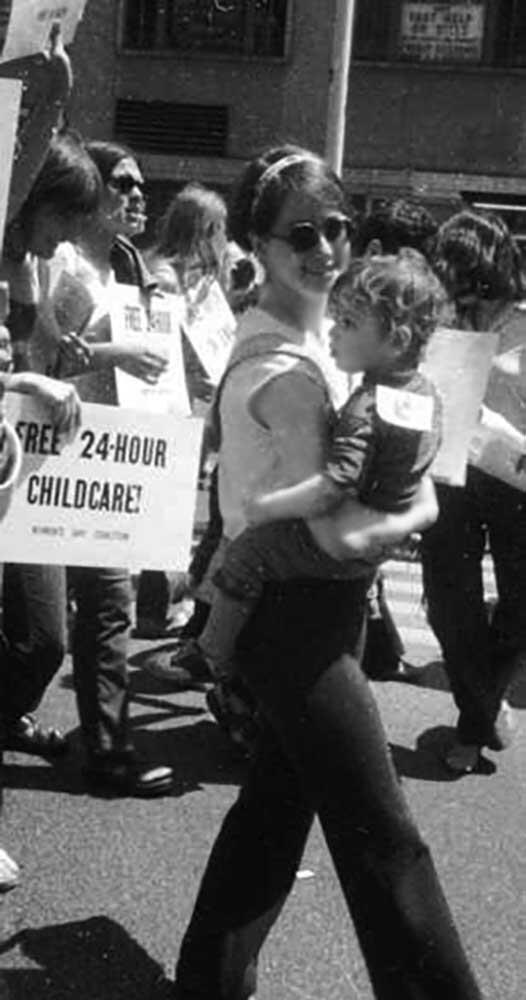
(352, 445)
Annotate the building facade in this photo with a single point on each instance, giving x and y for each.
(436, 106)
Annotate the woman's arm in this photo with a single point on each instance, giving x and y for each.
(310, 498)
(293, 408)
(356, 531)
(61, 398)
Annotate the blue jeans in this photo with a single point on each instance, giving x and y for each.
(480, 657)
(33, 637)
(100, 649)
(323, 752)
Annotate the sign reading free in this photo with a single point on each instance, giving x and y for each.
(122, 493)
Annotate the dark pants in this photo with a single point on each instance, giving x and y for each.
(100, 647)
(323, 752)
(480, 657)
(33, 640)
(153, 597)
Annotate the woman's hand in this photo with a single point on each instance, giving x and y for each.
(73, 358)
(141, 362)
(61, 398)
(358, 532)
(63, 402)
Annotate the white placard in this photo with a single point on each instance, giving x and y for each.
(10, 94)
(458, 362)
(130, 324)
(442, 32)
(30, 23)
(121, 494)
(210, 326)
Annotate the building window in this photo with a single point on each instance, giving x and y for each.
(457, 32)
(229, 27)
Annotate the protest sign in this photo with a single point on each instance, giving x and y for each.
(499, 449)
(130, 324)
(30, 21)
(210, 326)
(458, 362)
(10, 94)
(122, 493)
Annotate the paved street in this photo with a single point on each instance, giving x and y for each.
(108, 885)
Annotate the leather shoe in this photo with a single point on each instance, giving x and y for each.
(27, 735)
(402, 671)
(184, 670)
(128, 777)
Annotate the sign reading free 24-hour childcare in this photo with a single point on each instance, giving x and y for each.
(122, 493)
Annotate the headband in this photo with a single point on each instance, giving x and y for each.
(276, 168)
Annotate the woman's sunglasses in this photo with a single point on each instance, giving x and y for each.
(304, 236)
(125, 184)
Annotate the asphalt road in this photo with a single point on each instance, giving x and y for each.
(108, 884)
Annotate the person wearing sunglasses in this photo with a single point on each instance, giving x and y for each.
(79, 326)
(322, 749)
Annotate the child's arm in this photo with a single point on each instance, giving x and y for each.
(309, 498)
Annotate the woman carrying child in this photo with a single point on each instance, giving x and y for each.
(300, 652)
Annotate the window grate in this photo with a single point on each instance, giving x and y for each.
(165, 127)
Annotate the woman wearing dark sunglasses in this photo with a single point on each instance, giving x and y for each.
(322, 749)
(101, 256)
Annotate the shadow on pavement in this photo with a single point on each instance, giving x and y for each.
(199, 753)
(425, 761)
(94, 959)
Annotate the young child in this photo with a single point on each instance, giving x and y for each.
(384, 440)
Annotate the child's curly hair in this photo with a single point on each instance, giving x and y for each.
(476, 255)
(403, 287)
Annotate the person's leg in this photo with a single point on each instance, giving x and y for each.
(452, 552)
(100, 646)
(327, 725)
(248, 876)
(32, 650)
(153, 600)
(99, 650)
(506, 517)
(333, 734)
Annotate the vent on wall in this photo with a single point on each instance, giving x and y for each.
(163, 127)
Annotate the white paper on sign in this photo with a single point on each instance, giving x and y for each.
(130, 325)
(458, 362)
(30, 23)
(121, 493)
(10, 94)
(499, 449)
(210, 326)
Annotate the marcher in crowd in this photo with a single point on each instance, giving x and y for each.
(103, 595)
(33, 629)
(190, 254)
(323, 750)
(385, 309)
(389, 226)
(479, 264)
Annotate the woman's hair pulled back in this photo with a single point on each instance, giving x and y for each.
(257, 201)
(68, 181)
(485, 258)
(106, 156)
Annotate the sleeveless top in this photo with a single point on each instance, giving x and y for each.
(249, 460)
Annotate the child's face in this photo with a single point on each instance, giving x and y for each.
(359, 342)
(312, 272)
